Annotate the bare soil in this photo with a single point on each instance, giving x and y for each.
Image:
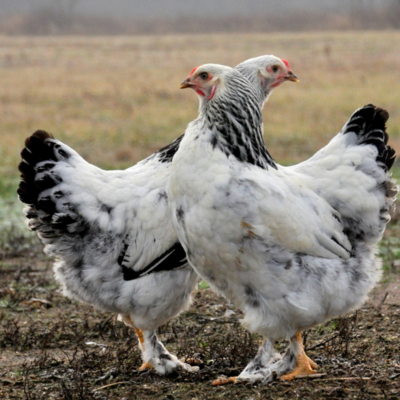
(54, 348)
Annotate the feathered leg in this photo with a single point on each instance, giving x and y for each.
(140, 335)
(154, 354)
(304, 365)
(260, 368)
(268, 364)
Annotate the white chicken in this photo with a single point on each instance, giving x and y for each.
(291, 247)
(111, 232)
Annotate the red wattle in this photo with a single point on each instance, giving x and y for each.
(275, 84)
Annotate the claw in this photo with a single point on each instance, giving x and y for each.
(223, 381)
(145, 366)
(301, 370)
(313, 364)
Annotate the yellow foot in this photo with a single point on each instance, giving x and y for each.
(223, 381)
(313, 364)
(305, 366)
(145, 366)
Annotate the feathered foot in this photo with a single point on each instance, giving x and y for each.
(261, 368)
(304, 365)
(154, 354)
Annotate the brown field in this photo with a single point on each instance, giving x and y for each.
(116, 100)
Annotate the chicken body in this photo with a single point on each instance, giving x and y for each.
(276, 241)
(111, 231)
(112, 237)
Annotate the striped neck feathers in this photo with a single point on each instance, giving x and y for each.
(235, 121)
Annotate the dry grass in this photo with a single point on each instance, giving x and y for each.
(116, 99)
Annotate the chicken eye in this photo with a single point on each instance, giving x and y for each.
(275, 69)
(203, 75)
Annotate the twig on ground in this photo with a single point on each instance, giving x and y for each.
(324, 342)
(379, 308)
(313, 376)
(352, 378)
(112, 384)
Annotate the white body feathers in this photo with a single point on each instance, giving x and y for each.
(276, 240)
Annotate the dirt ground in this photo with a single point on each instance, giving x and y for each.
(53, 348)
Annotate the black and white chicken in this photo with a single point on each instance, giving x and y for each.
(111, 232)
(290, 246)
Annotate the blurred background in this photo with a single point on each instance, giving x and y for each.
(103, 76)
(102, 17)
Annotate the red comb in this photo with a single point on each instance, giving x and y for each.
(192, 71)
(286, 63)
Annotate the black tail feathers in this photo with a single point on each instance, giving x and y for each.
(48, 209)
(369, 123)
(35, 151)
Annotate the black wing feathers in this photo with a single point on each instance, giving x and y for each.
(173, 258)
(166, 154)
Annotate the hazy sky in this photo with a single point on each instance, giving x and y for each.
(177, 8)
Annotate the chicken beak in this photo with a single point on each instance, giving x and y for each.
(291, 77)
(186, 84)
